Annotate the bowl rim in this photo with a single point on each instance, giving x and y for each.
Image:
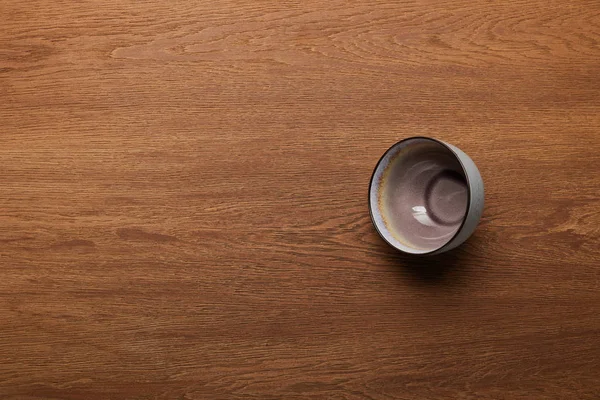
(464, 220)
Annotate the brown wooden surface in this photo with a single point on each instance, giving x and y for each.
(183, 205)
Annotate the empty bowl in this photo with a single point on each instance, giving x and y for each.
(425, 196)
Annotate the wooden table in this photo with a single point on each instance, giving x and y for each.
(183, 200)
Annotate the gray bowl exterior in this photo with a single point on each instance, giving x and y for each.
(476, 200)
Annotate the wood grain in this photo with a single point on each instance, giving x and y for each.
(183, 205)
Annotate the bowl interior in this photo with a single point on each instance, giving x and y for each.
(419, 195)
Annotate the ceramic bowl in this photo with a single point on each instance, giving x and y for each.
(425, 196)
